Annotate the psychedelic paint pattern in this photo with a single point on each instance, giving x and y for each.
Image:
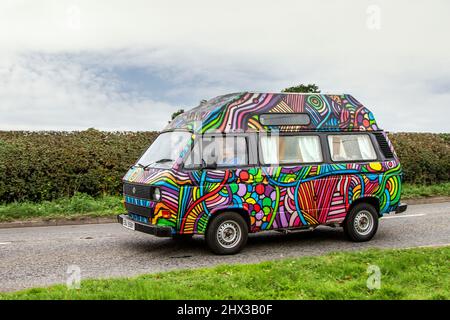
(241, 111)
(270, 197)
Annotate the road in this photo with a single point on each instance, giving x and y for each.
(40, 256)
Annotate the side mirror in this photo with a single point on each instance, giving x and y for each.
(211, 164)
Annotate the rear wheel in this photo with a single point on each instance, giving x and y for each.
(227, 233)
(361, 223)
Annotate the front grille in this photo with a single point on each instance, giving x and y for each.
(384, 145)
(137, 190)
(143, 211)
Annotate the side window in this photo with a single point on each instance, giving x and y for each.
(351, 147)
(225, 151)
(290, 149)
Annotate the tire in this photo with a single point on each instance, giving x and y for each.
(361, 223)
(227, 233)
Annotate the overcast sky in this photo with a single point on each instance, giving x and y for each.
(127, 65)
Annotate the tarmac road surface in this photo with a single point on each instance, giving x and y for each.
(40, 256)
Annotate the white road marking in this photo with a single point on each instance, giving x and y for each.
(406, 216)
(5, 243)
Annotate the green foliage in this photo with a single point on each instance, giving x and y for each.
(425, 157)
(301, 88)
(77, 206)
(413, 191)
(176, 113)
(420, 273)
(39, 166)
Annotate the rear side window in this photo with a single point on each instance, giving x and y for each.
(290, 149)
(351, 147)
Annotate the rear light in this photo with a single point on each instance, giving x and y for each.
(165, 213)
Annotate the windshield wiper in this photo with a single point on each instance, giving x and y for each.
(153, 162)
(164, 160)
(145, 167)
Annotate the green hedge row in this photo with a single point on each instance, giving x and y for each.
(425, 157)
(40, 166)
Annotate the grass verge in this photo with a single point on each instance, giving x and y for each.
(420, 273)
(82, 205)
(411, 191)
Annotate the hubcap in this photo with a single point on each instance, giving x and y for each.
(363, 222)
(229, 234)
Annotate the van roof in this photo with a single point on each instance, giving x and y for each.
(241, 112)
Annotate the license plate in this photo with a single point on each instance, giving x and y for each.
(128, 224)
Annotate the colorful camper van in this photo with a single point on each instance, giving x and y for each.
(249, 162)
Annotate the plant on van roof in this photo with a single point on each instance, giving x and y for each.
(176, 113)
(301, 88)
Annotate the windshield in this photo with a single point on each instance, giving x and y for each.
(165, 149)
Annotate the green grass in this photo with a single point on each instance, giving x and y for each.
(80, 205)
(411, 191)
(421, 273)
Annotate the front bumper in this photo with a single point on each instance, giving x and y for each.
(159, 231)
(401, 208)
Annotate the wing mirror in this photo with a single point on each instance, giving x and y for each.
(210, 164)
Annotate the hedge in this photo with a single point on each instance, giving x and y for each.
(38, 166)
(425, 157)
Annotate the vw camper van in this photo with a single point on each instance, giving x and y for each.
(250, 162)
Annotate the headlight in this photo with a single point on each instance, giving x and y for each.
(156, 194)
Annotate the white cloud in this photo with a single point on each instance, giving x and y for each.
(205, 48)
(39, 94)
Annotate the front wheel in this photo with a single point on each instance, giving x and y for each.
(361, 223)
(227, 233)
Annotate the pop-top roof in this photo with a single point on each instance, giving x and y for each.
(249, 111)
